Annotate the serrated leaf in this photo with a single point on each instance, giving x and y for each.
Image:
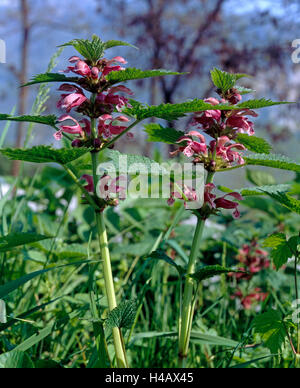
(133, 73)
(260, 178)
(261, 103)
(157, 133)
(211, 271)
(123, 163)
(46, 120)
(122, 316)
(258, 190)
(45, 154)
(223, 80)
(91, 50)
(242, 90)
(254, 144)
(272, 160)
(282, 249)
(271, 327)
(160, 255)
(287, 201)
(175, 111)
(51, 77)
(114, 43)
(13, 240)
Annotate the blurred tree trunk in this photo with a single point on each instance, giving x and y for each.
(23, 92)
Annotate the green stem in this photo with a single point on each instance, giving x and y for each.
(189, 302)
(110, 291)
(107, 269)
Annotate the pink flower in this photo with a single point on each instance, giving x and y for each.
(208, 118)
(108, 187)
(250, 299)
(73, 100)
(72, 129)
(221, 203)
(86, 126)
(90, 183)
(109, 68)
(110, 98)
(80, 68)
(188, 195)
(226, 150)
(107, 129)
(193, 147)
(240, 123)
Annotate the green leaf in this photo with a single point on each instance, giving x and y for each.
(287, 201)
(223, 80)
(46, 120)
(262, 103)
(3, 318)
(243, 90)
(211, 271)
(254, 144)
(157, 133)
(271, 327)
(122, 316)
(282, 249)
(9, 287)
(12, 360)
(160, 255)
(264, 190)
(114, 43)
(260, 178)
(13, 240)
(122, 163)
(133, 73)
(51, 77)
(92, 50)
(45, 154)
(272, 160)
(212, 340)
(175, 111)
(258, 190)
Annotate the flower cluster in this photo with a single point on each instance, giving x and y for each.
(248, 300)
(108, 188)
(212, 204)
(252, 260)
(104, 101)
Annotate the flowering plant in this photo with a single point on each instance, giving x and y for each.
(96, 93)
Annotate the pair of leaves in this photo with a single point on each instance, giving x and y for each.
(94, 49)
(282, 248)
(122, 316)
(45, 154)
(271, 327)
(114, 77)
(174, 111)
(226, 81)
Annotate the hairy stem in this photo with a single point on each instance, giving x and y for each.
(107, 269)
(189, 301)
